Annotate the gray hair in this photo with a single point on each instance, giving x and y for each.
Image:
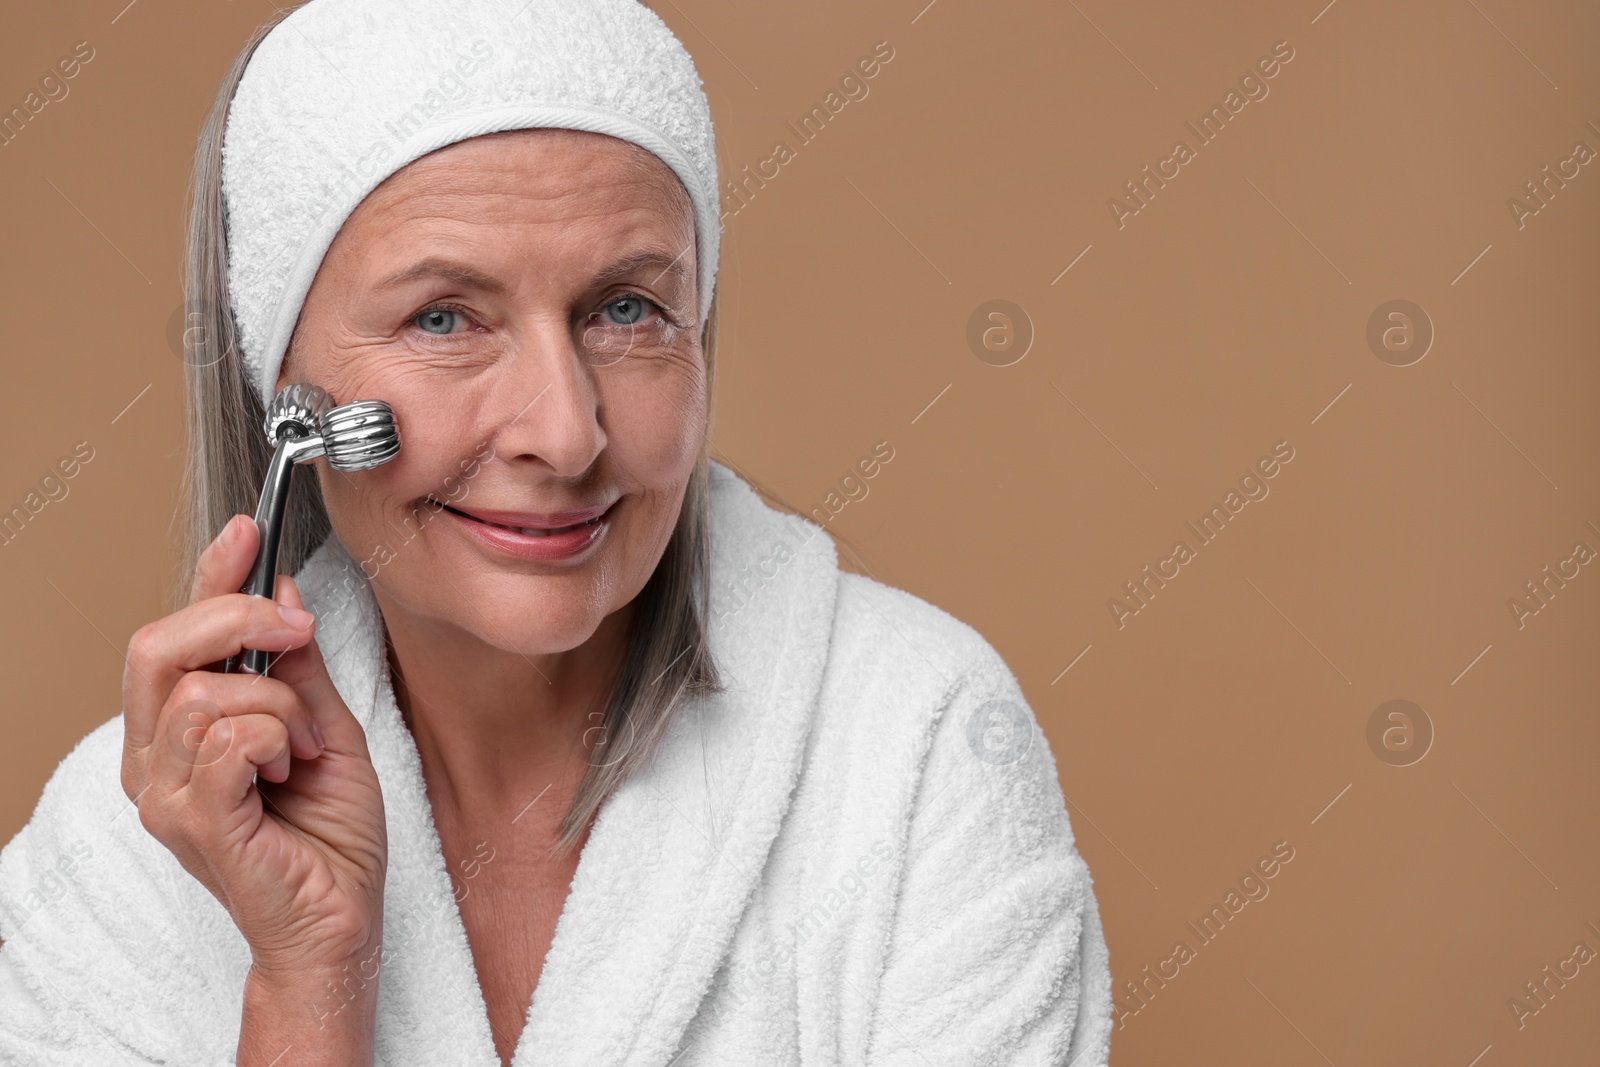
(668, 659)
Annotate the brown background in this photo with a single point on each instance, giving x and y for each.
(1231, 713)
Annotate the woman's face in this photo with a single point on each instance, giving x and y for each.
(526, 302)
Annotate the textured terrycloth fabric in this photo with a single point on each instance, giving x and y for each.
(853, 855)
(343, 93)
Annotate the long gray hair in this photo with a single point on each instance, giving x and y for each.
(668, 658)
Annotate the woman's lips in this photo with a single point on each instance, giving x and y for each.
(533, 520)
(530, 535)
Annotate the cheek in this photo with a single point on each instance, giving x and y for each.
(437, 440)
(655, 423)
(433, 456)
(358, 503)
(351, 377)
(438, 418)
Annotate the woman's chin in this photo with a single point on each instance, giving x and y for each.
(531, 633)
(518, 614)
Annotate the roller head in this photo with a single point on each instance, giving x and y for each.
(360, 435)
(296, 411)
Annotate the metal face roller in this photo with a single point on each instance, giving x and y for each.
(302, 424)
(360, 435)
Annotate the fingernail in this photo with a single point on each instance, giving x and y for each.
(230, 532)
(316, 735)
(300, 620)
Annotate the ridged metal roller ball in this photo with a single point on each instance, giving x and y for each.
(297, 410)
(360, 435)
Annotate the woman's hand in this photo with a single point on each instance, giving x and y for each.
(298, 857)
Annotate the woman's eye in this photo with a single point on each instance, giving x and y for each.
(627, 310)
(437, 320)
(625, 327)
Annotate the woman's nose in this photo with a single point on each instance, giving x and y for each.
(551, 407)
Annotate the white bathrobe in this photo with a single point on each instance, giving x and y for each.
(857, 854)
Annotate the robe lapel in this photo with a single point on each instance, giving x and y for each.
(674, 854)
(430, 1006)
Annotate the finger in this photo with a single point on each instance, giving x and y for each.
(201, 699)
(223, 567)
(235, 750)
(230, 569)
(226, 563)
(287, 592)
(159, 770)
(162, 652)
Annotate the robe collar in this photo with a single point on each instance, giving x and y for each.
(675, 852)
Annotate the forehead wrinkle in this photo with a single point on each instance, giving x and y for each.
(433, 194)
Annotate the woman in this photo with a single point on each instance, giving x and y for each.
(572, 750)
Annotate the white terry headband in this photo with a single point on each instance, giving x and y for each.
(343, 93)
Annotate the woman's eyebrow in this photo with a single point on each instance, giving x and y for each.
(646, 257)
(471, 277)
(463, 275)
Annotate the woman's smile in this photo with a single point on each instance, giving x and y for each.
(534, 535)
